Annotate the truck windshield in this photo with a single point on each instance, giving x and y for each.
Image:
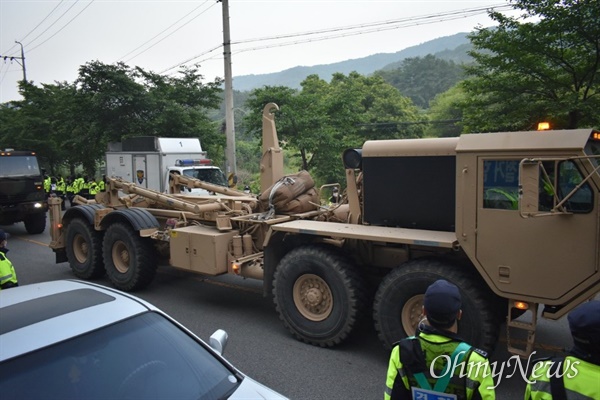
(212, 175)
(11, 166)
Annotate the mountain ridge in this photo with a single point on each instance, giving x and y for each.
(443, 47)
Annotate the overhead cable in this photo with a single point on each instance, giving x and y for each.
(353, 30)
(64, 26)
(163, 31)
(37, 26)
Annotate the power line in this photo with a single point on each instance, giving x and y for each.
(166, 29)
(64, 26)
(353, 30)
(458, 13)
(52, 24)
(346, 34)
(41, 22)
(192, 58)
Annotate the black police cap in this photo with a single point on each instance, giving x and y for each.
(584, 323)
(442, 301)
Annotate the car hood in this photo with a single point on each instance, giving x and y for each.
(253, 390)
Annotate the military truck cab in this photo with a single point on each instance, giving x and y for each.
(524, 207)
(22, 195)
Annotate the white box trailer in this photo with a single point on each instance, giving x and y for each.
(147, 161)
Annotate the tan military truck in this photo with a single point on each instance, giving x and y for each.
(512, 218)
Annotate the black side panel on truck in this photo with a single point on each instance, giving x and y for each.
(416, 192)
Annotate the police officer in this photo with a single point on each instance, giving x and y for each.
(61, 188)
(576, 376)
(47, 185)
(8, 276)
(71, 189)
(78, 184)
(418, 365)
(101, 185)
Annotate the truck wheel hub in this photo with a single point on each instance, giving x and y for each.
(120, 255)
(312, 297)
(411, 314)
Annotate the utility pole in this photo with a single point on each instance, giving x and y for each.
(22, 58)
(231, 167)
(23, 61)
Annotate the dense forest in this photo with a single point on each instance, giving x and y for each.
(520, 73)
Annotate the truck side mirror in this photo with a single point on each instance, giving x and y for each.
(529, 187)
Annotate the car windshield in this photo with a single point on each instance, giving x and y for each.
(18, 166)
(212, 175)
(145, 357)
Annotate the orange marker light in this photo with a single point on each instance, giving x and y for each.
(521, 305)
(543, 126)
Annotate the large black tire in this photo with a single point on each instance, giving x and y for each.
(84, 250)
(129, 259)
(319, 295)
(35, 223)
(398, 301)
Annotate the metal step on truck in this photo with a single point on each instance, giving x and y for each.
(511, 218)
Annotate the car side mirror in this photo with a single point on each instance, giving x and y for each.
(218, 341)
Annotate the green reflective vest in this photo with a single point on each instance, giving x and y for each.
(581, 379)
(47, 183)
(60, 185)
(471, 379)
(8, 276)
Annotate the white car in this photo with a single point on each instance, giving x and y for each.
(77, 340)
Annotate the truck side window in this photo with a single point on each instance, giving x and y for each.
(569, 176)
(500, 184)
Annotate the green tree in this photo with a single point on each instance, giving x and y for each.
(317, 123)
(446, 112)
(422, 78)
(71, 124)
(43, 121)
(531, 71)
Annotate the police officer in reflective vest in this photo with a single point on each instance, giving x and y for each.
(576, 376)
(437, 363)
(8, 276)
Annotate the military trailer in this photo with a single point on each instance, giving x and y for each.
(512, 218)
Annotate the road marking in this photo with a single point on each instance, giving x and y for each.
(30, 241)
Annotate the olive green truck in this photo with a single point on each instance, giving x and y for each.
(512, 218)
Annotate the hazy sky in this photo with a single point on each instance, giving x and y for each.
(157, 35)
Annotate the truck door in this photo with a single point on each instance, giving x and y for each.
(546, 255)
(139, 170)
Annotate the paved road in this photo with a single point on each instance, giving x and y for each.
(259, 345)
